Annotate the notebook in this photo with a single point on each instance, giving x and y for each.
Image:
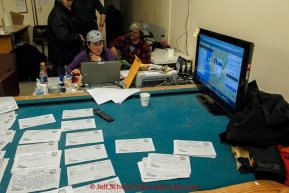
(98, 73)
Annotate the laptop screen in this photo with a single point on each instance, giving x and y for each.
(95, 73)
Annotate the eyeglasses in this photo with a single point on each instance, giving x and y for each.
(96, 44)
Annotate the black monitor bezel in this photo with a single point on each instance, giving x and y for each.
(244, 75)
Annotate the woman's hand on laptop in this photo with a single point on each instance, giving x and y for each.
(94, 57)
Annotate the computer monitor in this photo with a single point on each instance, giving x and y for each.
(222, 67)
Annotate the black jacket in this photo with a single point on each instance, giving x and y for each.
(263, 122)
(63, 40)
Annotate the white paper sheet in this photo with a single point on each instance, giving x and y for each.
(134, 145)
(78, 124)
(85, 137)
(7, 104)
(2, 153)
(194, 148)
(40, 160)
(103, 95)
(35, 121)
(7, 120)
(7, 135)
(1, 176)
(66, 189)
(38, 147)
(106, 186)
(7, 123)
(3, 144)
(34, 180)
(91, 171)
(87, 153)
(39, 136)
(3, 164)
(68, 114)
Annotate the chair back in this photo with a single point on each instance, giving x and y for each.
(40, 33)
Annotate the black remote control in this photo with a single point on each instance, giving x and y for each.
(101, 114)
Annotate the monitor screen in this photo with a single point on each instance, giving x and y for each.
(222, 67)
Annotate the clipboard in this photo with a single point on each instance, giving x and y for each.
(132, 72)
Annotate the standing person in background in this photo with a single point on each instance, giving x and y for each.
(84, 15)
(113, 23)
(63, 40)
(131, 45)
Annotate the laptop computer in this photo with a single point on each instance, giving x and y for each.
(100, 73)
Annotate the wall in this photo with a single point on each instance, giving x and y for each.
(262, 22)
(35, 17)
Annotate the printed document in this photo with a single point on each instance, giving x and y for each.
(3, 164)
(7, 120)
(106, 186)
(161, 174)
(38, 136)
(7, 135)
(194, 148)
(78, 124)
(2, 153)
(134, 145)
(68, 114)
(35, 121)
(6, 124)
(66, 189)
(30, 161)
(91, 171)
(3, 144)
(34, 180)
(7, 104)
(168, 162)
(37, 147)
(82, 154)
(85, 137)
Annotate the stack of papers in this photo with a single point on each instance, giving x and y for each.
(103, 95)
(164, 167)
(194, 148)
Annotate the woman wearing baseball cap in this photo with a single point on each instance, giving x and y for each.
(96, 52)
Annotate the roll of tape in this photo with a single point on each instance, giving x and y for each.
(54, 89)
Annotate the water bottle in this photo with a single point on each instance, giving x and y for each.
(42, 75)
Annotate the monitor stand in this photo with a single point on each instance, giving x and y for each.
(211, 106)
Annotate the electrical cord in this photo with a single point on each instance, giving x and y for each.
(186, 31)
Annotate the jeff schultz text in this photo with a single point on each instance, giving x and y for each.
(144, 187)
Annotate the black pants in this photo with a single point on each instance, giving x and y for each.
(84, 28)
(57, 70)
